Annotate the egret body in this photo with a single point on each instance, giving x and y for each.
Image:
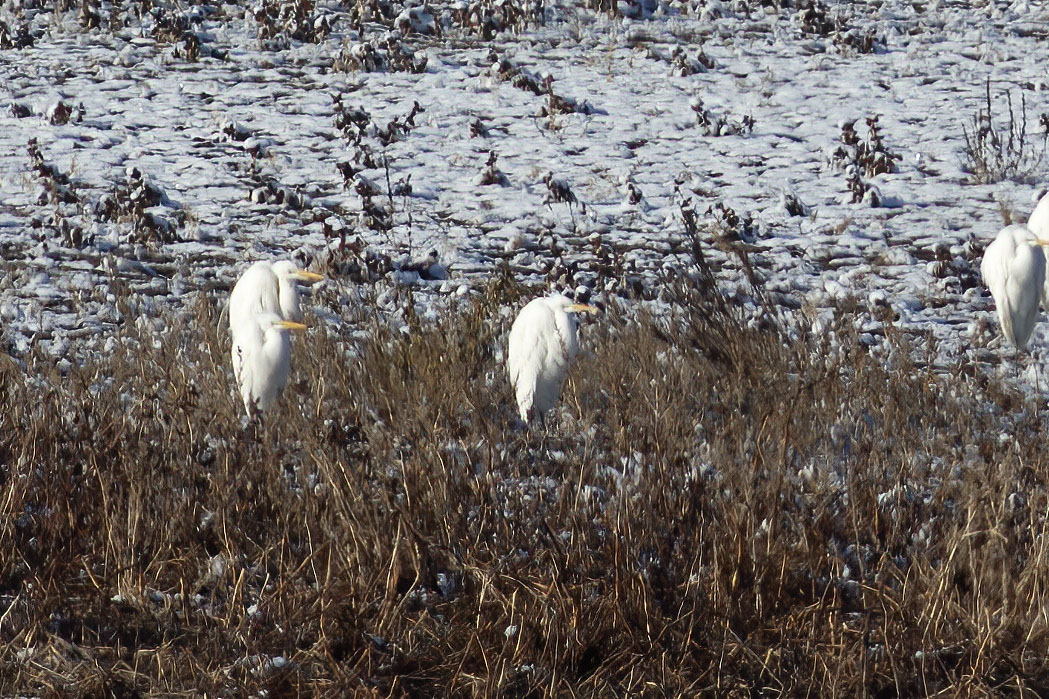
(1013, 268)
(262, 359)
(543, 343)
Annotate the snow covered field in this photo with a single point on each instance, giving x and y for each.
(177, 144)
(394, 530)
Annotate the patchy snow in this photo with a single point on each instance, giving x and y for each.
(169, 159)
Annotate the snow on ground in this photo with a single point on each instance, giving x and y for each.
(169, 159)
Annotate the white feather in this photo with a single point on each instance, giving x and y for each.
(1013, 268)
(1039, 225)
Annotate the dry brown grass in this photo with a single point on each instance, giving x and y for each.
(715, 511)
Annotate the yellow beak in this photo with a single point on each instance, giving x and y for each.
(583, 308)
(290, 325)
(304, 276)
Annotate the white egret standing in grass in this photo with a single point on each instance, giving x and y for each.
(1013, 268)
(268, 287)
(262, 359)
(542, 345)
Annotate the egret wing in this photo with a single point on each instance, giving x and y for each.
(528, 353)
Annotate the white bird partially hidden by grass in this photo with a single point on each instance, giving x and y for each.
(1013, 268)
(263, 309)
(268, 287)
(543, 343)
(262, 359)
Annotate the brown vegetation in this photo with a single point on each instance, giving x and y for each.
(713, 509)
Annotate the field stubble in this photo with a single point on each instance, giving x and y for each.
(714, 508)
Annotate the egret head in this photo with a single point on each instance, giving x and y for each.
(272, 321)
(562, 302)
(287, 270)
(559, 303)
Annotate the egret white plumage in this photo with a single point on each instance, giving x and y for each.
(1013, 268)
(1038, 222)
(262, 359)
(543, 343)
(268, 287)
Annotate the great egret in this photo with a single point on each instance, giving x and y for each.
(268, 287)
(1013, 268)
(262, 359)
(542, 345)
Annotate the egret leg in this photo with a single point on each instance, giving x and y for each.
(544, 432)
(251, 423)
(535, 431)
(1017, 363)
(1035, 361)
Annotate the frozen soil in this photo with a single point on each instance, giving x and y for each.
(177, 143)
